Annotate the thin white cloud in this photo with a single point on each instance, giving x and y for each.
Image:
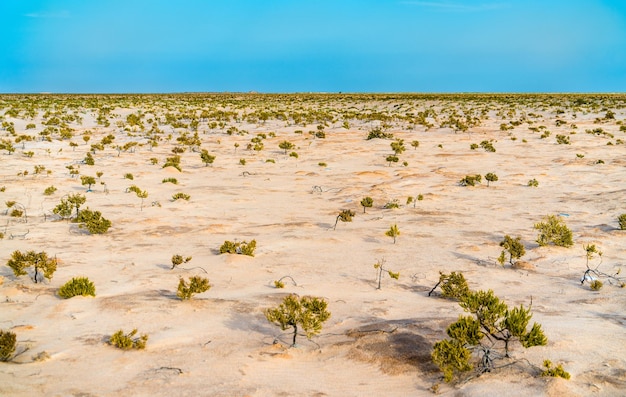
(59, 14)
(455, 6)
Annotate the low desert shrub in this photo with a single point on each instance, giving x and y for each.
(621, 220)
(8, 343)
(554, 372)
(452, 285)
(533, 183)
(344, 216)
(238, 247)
(488, 332)
(307, 312)
(179, 260)
(77, 286)
(181, 195)
(43, 265)
(170, 180)
(379, 266)
(514, 247)
(196, 285)
(128, 341)
(49, 191)
(554, 230)
(93, 221)
(470, 180)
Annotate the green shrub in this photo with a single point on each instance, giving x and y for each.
(557, 371)
(181, 195)
(488, 332)
(238, 247)
(196, 285)
(470, 180)
(77, 286)
(8, 343)
(127, 341)
(93, 221)
(596, 285)
(129, 176)
(621, 220)
(367, 202)
(452, 285)
(344, 216)
(307, 313)
(49, 191)
(514, 247)
(179, 260)
(553, 230)
(491, 177)
(533, 183)
(170, 180)
(19, 262)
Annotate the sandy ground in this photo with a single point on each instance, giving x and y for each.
(377, 342)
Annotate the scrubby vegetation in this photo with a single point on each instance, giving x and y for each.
(79, 286)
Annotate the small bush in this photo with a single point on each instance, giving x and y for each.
(533, 183)
(170, 180)
(181, 195)
(179, 260)
(77, 286)
(8, 343)
(557, 371)
(622, 221)
(554, 230)
(596, 285)
(238, 247)
(514, 247)
(452, 285)
(129, 176)
(49, 191)
(470, 180)
(127, 341)
(93, 221)
(196, 285)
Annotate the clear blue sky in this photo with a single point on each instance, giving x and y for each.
(316, 45)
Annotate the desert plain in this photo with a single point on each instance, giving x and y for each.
(378, 341)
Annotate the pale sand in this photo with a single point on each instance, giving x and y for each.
(377, 342)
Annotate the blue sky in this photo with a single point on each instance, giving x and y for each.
(89, 46)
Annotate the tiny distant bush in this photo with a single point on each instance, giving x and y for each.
(129, 176)
(596, 285)
(170, 180)
(238, 247)
(533, 183)
(474, 146)
(93, 221)
(557, 371)
(307, 313)
(470, 180)
(621, 220)
(367, 202)
(128, 341)
(344, 216)
(322, 164)
(49, 191)
(562, 140)
(491, 177)
(77, 286)
(488, 146)
(8, 342)
(452, 285)
(43, 265)
(179, 260)
(181, 195)
(554, 230)
(378, 133)
(393, 232)
(514, 247)
(196, 285)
